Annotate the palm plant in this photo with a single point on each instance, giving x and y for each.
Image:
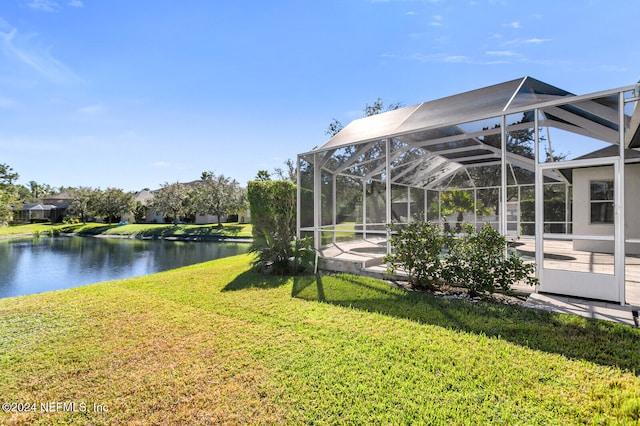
(456, 201)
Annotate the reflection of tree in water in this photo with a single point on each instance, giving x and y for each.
(10, 253)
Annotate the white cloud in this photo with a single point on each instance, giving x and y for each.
(7, 31)
(450, 59)
(18, 49)
(75, 3)
(436, 21)
(537, 40)
(44, 5)
(514, 24)
(501, 53)
(91, 109)
(456, 59)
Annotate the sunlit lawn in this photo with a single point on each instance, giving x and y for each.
(29, 229)
(228, 230)
(219, 344)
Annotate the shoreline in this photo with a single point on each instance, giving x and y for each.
(202, 239)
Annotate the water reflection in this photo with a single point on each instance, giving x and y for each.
(30, 266)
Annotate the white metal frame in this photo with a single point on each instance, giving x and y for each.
(504, 159)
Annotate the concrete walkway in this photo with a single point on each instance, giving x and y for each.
(585, 308)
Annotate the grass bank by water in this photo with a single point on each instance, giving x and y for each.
(136, 230)
(217, 343)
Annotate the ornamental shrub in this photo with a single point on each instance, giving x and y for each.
(477, 261)
(474, 260)
(417, 249)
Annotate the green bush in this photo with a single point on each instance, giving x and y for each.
(475, 260)
(40, 220)
(417, 249)
(273, 214)
(273, 208)
(68, 220)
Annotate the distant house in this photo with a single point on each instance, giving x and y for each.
(51, 208)
(145, 197)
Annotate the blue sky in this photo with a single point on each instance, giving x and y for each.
(132, 94)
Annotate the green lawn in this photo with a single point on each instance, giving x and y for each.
(228, 230)
(8, 231)
(216, 343)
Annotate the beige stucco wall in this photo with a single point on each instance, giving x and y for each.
(582, 210)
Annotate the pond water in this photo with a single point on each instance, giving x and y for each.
(35, 265)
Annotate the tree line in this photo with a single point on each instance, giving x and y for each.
(213, 194)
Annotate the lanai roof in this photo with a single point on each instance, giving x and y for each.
(439, 131)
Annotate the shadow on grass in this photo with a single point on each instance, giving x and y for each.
(252, 279)
(599, 342)
(93, 231)
(215, 231)
(177, 230)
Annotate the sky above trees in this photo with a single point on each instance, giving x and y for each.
(134, 94)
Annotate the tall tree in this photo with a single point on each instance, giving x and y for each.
(80, 201)
(8, 192)
(174, 200)
(113, 203)
(374, 196)
(263, 175)
(376, 108)
(39, 190)
(289, 172)
(219, 196)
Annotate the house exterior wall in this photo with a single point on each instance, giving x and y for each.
(582, 210)
(243, 217)
(206, 219)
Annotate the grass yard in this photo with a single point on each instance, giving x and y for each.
(39, 228)
(139, 230)
(216, 343)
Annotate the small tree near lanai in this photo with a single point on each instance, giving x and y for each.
(219, 196)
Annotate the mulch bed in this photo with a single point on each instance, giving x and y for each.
(461, 293)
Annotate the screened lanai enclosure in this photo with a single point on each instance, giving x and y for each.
(557, 173)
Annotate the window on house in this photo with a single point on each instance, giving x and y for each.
(601, 201)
